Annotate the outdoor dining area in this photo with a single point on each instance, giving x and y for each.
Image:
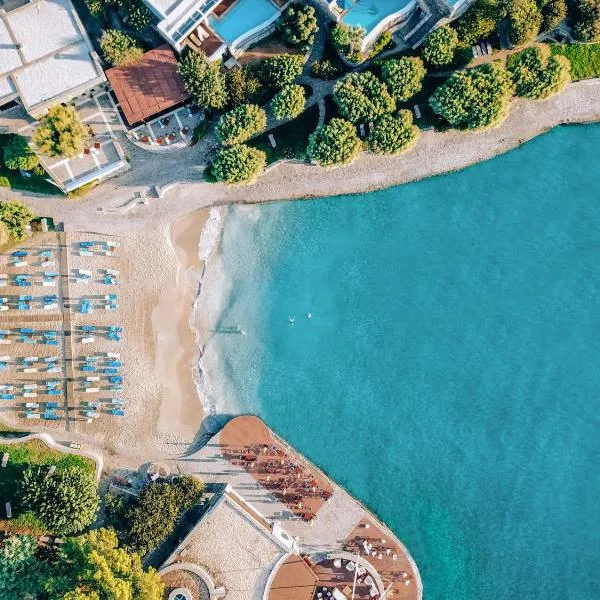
(285, 474)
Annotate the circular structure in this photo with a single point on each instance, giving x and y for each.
(181, 594)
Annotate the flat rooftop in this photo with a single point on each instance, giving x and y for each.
(148, 87)
(45, 51)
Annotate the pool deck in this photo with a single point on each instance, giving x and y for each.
(338, 523)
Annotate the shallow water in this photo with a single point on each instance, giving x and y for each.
(450, 373)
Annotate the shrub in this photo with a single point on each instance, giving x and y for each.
(238, 164)
(362, 97)
(16, 216)
(381, 43)
(537, 74)
(299, 25)
(119, 49)
(585, 15)
(203, 80)
(325, 69)
(93, 566)
(240, 124)
(281, 70)
(440, 46)
(334, 143)
(61, 133)
(136, 14)
(524, 21)
(66, 502)
(97, 7)
(18, 156)
(474, 99)
(584, 59)
(242, 86)
(553, 12)
(403, 76)
(479, 22)
(348, 40)
(393, 134)
(157, 510)
(289, 102)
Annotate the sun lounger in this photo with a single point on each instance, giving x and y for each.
(30, 395)
(115, 355)
(93, 378)
(85, 272)
(112, 244)
(32, 405)
(92, 390)
(117, 401)
(51, 342)
(51, 404)
(49, 263)
(49, 359)
(3, 365)
(92, 414)
(86, 244)
(4, 308)
(30, 386)
(88, 340)
(112, 272)
(46, 253)
(85, 253)
(115, 379)
(30, 370)
(5, 387)
(109, 371)
(89, 328)
(118, 412)
(48, 283)
(5, 457)
(19, 264)
(19, 253)
(93, 403)
(7, 396)
(50, 415)
(53, 392)
(32, 415)
(55, 369)
(5, 341)
(114, 363)
(5, 358)
(50, 306)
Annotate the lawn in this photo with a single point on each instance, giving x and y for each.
(291, 137)
(585, 59)
(33, 452)
(15, 181)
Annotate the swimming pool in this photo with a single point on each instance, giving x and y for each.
(243, 16)
(368, 13)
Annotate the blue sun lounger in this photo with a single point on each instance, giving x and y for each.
(114, 364)
(52, 404)
(19, 253)
(88, 368)
(115, 388)
(50, 335)
(86, 307)
(110, 371)
(46, 253)
(86, 244)
(50, 298)
(23, 306)
(25, 298)
(53, 392)
(118, 412)
(7, 396)
(3, 365)
(26, 330)
(51, 342)
(115, 379)
(88, 328)
(50, 415)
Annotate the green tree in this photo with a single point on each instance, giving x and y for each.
(155, 514)
(120, 49)
(334, 143)
(94, 567)
(476, 98)
(243, 86)
(325, 69)
(21, 573)
(361, 97)
(61, 132)
(18, 156)
(393, 134)
(240, 124)
(480, 21)
(403, 76)
(299, 25)
(238, 164)
(440, 46)
(16, 216)
(537, 74)
(289, 102)
(524, 21)
(135, 13)
(280, 70)
(585, 15)
(66, 502)
(348, 39)
(203, 80)
(553, 12)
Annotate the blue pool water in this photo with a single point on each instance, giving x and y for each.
(243, 16)
(368, 13)
(450, 374)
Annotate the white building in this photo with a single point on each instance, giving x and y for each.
(45, 55)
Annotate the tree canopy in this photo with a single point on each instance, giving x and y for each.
(334, 143)
(61, 132)
(525, 21)
(119, 49)
(299, 25)
(21, 573)
(537, 74)
(16, 216)
(393, 134)
(154, 516)
(203, 80)
(240, 124)
(280, 70)
(94, 567)
(65, 502)
(243, 86)
(348, 39)
(403, 76)
(585, 15)
(18, 156)
(238, 164)
(480, 21)
(361, 97)
(289, 102)
(476, 98)
(553, 12)
(440, 46)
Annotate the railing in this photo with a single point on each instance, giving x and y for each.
(386, 23)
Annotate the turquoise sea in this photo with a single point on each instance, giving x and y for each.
(450, 374)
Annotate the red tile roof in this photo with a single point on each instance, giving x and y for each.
(148, 87)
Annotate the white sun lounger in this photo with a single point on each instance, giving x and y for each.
(89, 379)
(31, 405)
(54, 370)
(116, 355)
(85, 272)
(112, 244)
(88, 340)
(92, 390)
(33, 416)
(5, 457)
(5, 342)
(112, 272)
(49, 283)
(30, 395)
(20, 263)
(30, 386)
(30, 370)
(50, 306)
(5, 358)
